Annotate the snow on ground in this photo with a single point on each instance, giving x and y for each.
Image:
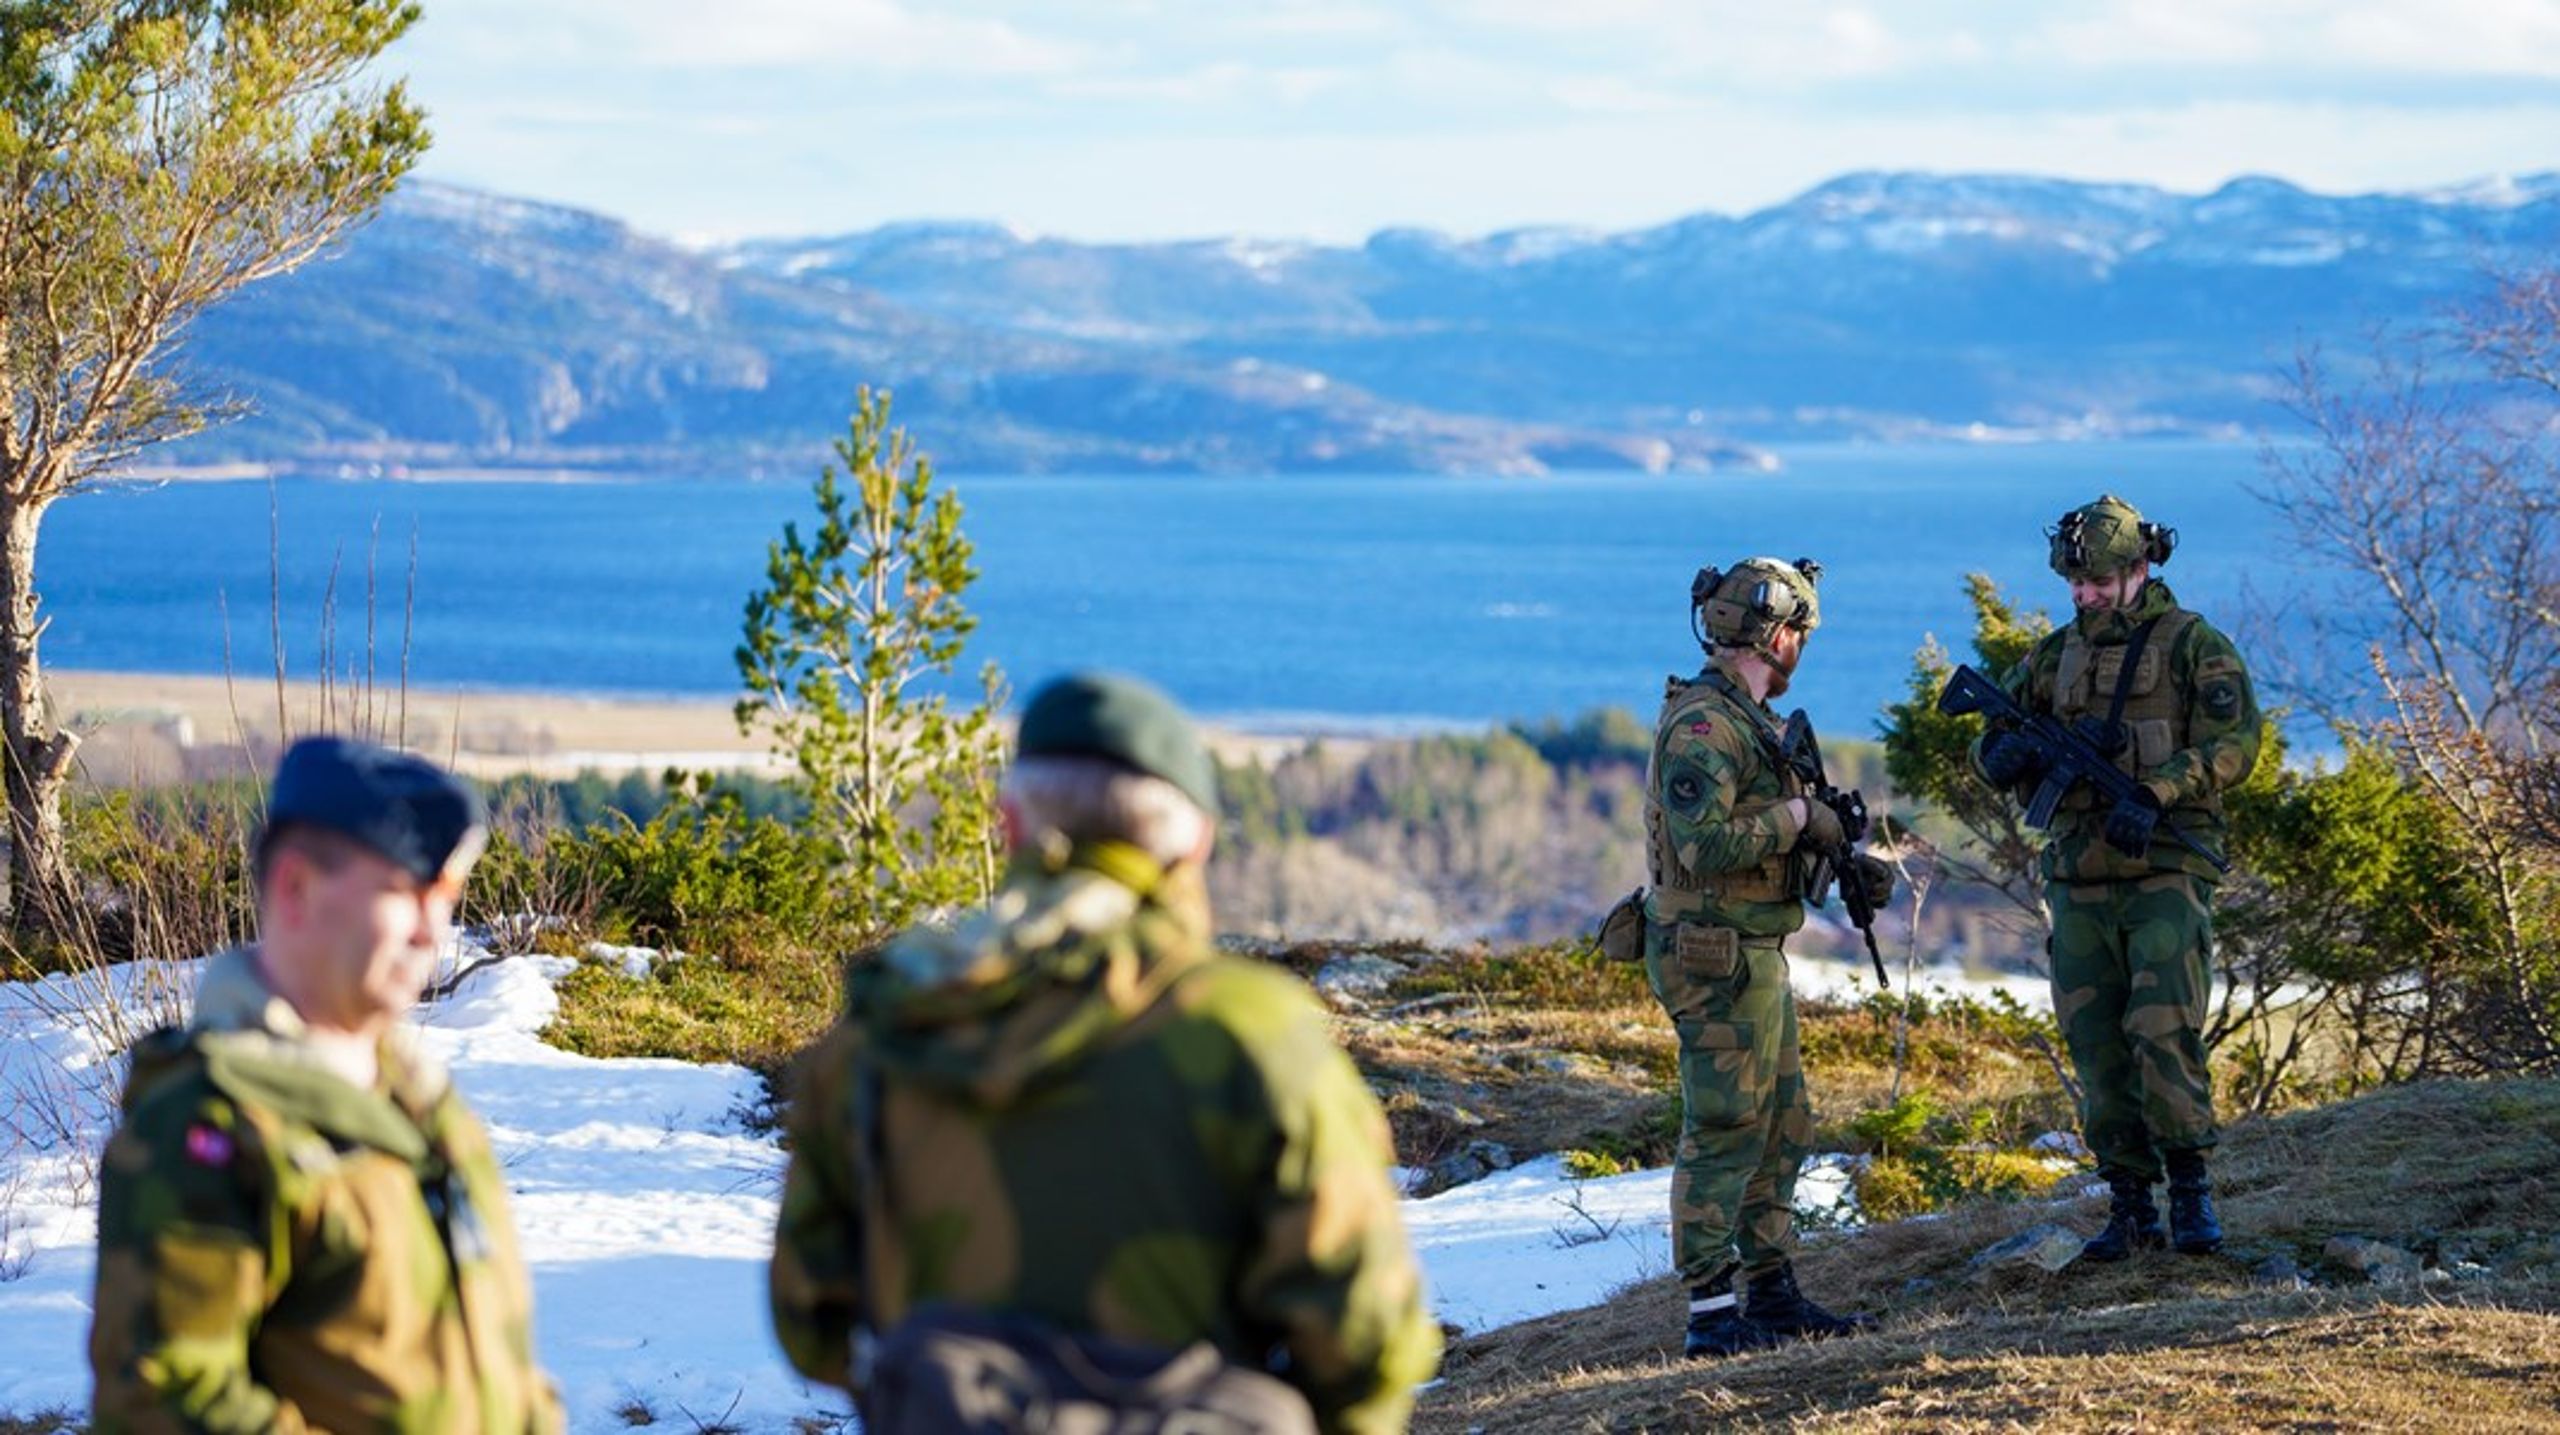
(647, 1208)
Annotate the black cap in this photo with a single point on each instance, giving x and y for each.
(415, 814)
(1120, 718)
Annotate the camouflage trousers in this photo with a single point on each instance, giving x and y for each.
(2131, 978)
(1745, 1124)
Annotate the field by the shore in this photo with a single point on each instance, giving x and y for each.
(145, 729)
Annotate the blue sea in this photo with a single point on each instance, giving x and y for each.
(1290, 603)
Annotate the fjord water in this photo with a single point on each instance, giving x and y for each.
(1299, 601)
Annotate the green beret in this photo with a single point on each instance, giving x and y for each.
(1119, 718)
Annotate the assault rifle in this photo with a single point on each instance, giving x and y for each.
(2072, 755)
(1801, 751)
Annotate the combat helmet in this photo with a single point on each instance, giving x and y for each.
(1744, 606)
(2102, 539)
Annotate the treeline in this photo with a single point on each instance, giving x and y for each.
(1524, 833)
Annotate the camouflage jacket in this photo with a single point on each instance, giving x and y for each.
(1721, 835)
(1087, 1116)
(2194, 720)
(281, 1250)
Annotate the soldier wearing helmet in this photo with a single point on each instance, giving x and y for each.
(1728, 827)
(2167, 696)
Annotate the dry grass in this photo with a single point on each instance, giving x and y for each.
(2318, 1360)
(1554, 1049)
(2454, 1171)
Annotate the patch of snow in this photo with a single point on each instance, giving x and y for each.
(2497, 191)
(646, 1210)
(634, 962)
(2301, 251)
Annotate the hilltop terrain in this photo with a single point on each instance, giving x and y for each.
(463, 332)
(2392, 1265)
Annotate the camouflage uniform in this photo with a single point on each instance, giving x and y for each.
(2132, 935)
(282, 1250)
(1089, 1117)
(1726, 888)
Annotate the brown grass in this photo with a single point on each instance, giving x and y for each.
(2489, 1359)
(2454, 1171)
(1540, 1077)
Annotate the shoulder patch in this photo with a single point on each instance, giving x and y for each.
(1703, 727)
(2222, 698)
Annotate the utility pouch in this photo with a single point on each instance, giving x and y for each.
(1622, 929)
(1707, 954)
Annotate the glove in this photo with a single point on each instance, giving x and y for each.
(1876, 875)
(2010, 758)
(2129, 823)
(1822, 830)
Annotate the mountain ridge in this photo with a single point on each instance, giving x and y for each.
(465, 330)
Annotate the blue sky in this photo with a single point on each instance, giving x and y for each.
(1328, 119)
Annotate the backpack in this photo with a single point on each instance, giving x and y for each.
(953, 1370)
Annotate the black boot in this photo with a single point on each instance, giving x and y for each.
(1774, 1304)
(1716, 1326)
(2193, 1227)
(2133, 1223)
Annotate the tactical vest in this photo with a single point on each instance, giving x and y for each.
(1779, 877)
(2155, 704)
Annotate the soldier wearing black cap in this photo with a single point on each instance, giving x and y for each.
(1067, 1118)
(300, 1224)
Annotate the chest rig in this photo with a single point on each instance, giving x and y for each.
(1764, 784)
(2092, 679)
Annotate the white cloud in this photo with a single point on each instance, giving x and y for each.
(1224, 82)
(2515, 37)
(2488, 37)
(1613, 95)
(1127, 118)
(1751, 38)
(744, 34)
(1315, 19)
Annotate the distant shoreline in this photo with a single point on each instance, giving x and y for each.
(1749, 456)
(132, 722)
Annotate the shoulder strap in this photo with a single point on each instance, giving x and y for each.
(2124, 683)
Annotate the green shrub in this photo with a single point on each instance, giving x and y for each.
(1592, 1165)
(704, 876)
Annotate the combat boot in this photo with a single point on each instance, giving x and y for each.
(1774, 1304)
(1716, 1326)
(2133, 1223)
(2193, 1227)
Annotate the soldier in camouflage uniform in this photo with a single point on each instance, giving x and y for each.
(1070, 1108)
(2132, 911)
(1730, 838)
(300, 1226)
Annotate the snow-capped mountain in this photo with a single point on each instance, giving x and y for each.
(465, 329)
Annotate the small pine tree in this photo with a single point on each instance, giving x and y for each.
(840, 645)
(1928, 754)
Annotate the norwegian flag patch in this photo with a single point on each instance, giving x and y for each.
(209, 1145)
(1703, 728)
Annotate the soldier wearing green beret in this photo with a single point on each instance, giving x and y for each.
(1730, 834)
(1066, 1118)
(2132, 910)
(300, 1225)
